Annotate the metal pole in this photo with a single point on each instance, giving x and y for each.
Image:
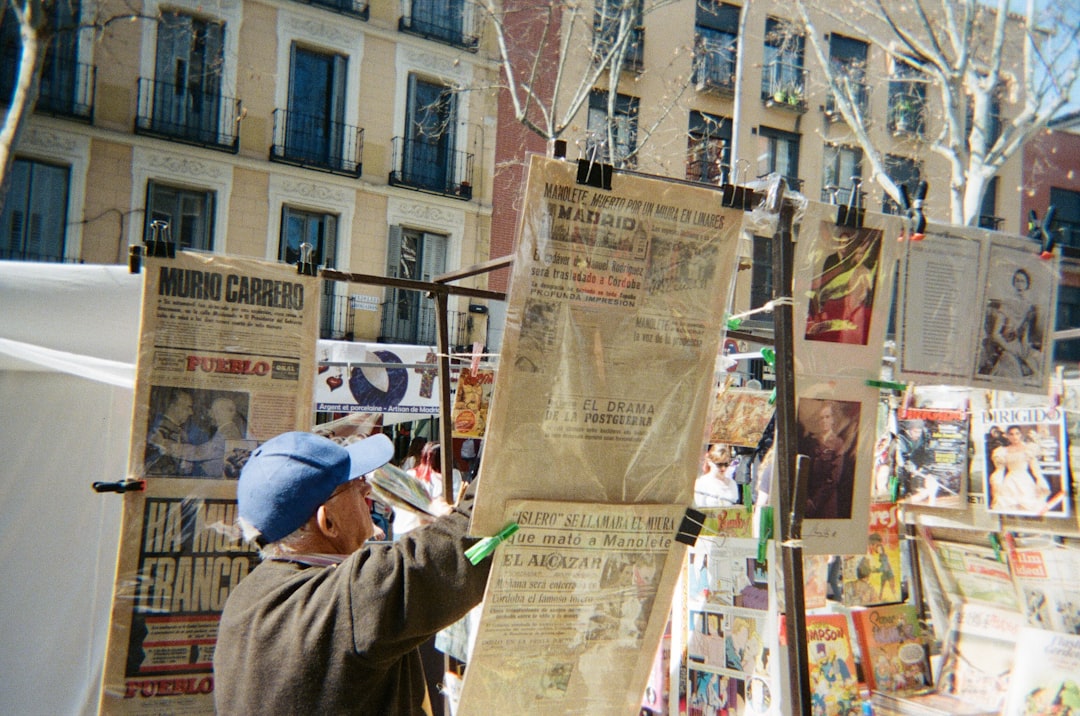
(446, 427)
(787, 480)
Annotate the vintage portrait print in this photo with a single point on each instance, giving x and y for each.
(1017, 317)
(1025, 470)
(828, 432)
(841, 297)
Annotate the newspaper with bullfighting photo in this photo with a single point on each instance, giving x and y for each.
(576, 605)
(614, 321)
(227, 357)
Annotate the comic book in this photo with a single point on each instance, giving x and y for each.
(893, 654)
(400, 489)
(978, 654)
(834, 684)
(1049, 684)
(873, 577)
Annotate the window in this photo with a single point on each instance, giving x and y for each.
(59, 74)
(409, 315)
(34, 220)
(847, 57)
(447, 21)
(187, 77)
(430, 121)
(907, 100)
(314, 126)
(710, 139)
(903, 171)
(988, 218)
(841, 165)
(189, 215)
(307, 227)
(622, 123)
(615, 19)
(761, 276)
(783, 78)
(993, 131)
(716, 28)
(1066, 217)
(779, 152)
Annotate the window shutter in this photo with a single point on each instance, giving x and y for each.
(434, 256)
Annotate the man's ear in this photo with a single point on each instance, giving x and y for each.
(326, 522)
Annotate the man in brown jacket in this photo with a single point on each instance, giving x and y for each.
(325, 624)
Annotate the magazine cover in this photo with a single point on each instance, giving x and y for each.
(977, 658)
(873, 577)
(834, 685)
(1047, 577)
(932, 456)
(400, 489)
(1049, 684)
(893, 653)
(1025, 471)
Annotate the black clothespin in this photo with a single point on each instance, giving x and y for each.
(1042, 232)
(690, 527)
(593, 173)
(852, 213)
(134, 258)
(306, 265)
(913, 210)
(737, 196)
(121, 487)
(160, 244)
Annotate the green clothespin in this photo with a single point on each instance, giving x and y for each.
(765, 532)
(995, 542)
(887, 385)
(486, 546)
(772, 397)
(769, 355)
(733, 322)
(894, 488)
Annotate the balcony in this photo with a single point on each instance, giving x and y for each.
(714, 67)
(66, 89)
(350, 8)
(186, 115)
(859, 94)
(447, 21)
(783, 86)
(634, 60)
(312, 141)
(707, 169)
(409, 317)
(907, 107)
(428, 165)
(994, 223)
(833, 194)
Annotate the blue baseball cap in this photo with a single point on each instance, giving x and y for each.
(289, 476)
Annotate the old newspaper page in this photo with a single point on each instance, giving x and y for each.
(576, 604)
(614, 321)
(226, 360)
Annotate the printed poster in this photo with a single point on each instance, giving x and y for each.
(843, 278)
(837, 437)
(740, 416)
(614, 321)
(399, 380)
(957, 273)
(472, 399)
(226, 360)
(576, 605)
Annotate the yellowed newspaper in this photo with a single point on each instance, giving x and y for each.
(226, 360)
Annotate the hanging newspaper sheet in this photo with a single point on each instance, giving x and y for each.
(226, 360)
(614, 321)
(976, 308)
(576, 604)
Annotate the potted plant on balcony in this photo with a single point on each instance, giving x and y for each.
(903, 114)
(793, 94)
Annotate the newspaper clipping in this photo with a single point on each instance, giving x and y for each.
(614, 322)
(226, 360)
(576, 605)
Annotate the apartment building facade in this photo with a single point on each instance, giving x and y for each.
(252, 127)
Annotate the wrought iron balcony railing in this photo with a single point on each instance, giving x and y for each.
(65, 91)
(353, 8)
(187, 115)
(859, 93)
(315, 142)
(428, 165)
(784, 85)
(452, 22)
(714, 66)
